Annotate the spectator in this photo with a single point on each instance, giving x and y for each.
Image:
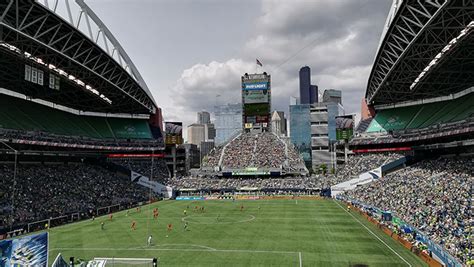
(435, 196)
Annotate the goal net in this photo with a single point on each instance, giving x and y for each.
(119, 262)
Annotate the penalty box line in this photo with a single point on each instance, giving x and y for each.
(192, 250)
(370, 231)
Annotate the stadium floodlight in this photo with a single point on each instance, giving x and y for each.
(14, 182)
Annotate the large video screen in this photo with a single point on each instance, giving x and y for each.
(344, 127)
(260, 109)
(255, 96)
(173, 133)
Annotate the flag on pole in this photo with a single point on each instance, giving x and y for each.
(259, 63)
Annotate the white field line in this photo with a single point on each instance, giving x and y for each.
(370, 231)
(301, 259)
(179, 249)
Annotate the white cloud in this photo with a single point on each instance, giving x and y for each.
(336, 38)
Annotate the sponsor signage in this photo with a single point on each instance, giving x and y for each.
(256, 86)
(190, 198)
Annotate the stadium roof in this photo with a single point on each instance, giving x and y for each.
(96, 73)
(427, 50)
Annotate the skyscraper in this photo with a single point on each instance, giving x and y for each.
(228, 122)
(308, 92)
(203, 117)
(196, 134)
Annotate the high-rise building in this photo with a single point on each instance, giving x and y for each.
(314, 94)
(192, 156)
(334, 110)
(206, 147)
(332, 95)
(196, 134)
(278, 123)
(300, 131)
(203, 117)
(313, 129)
(209, 131)
(228, 122)
(308, 92)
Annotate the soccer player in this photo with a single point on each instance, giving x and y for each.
(110, 217)
(242, 207)
(149, 240)
(348, 208)
(170, 227)
(134, 225)
(138, 209)
(185, 226)
(102, 226)
(217, 218)
(184, 212)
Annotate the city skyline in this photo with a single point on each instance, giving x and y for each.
(193, 55)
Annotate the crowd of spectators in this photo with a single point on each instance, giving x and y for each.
(360, 163)
(295, 161)
(48, 191)
(144, 167)
(213, 158)
(261, 150)
(40, 136)
(239, 153)
(434, 196)
(214, 183)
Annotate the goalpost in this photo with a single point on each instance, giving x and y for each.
(103, 262)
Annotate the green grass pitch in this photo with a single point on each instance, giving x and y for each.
(265, 233)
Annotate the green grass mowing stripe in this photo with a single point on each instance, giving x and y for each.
(315, 231)
(407, 256)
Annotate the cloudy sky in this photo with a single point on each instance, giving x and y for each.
(192, 52)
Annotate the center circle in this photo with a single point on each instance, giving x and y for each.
(197, 219)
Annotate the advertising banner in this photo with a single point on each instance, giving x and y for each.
(25, 251)
(255, 86)
(153, 185)
(190, 198)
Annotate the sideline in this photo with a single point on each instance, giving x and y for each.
(370, 231)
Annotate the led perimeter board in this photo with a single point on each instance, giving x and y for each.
(256, 102)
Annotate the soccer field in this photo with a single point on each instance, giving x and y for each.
(265, 233)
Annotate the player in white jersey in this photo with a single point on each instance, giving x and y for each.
(149, 240)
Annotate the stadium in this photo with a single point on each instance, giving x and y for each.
(90, 177)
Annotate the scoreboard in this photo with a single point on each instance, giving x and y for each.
(256, 101)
